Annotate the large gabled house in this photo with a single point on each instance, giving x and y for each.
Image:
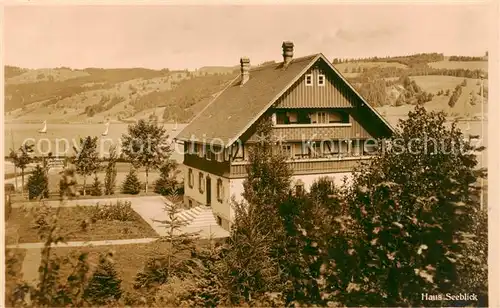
(322, 123)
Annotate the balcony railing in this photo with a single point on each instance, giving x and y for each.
(310, 165)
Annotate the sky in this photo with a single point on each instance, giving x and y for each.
(189, 37)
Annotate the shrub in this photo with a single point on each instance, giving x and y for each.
(38, 184)
(173, 293)
(104, 286)
(120, 210)
(167, 183)
(154, 273)
(96, 190)
(131, 185)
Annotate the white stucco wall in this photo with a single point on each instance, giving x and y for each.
(236, 185)
(219, 208)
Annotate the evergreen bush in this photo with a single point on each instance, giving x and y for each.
(104, 286)
(131, 185)
(38, 184)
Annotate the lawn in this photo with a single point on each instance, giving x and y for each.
(128, 259)
(20, 226)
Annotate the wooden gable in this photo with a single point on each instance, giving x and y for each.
(334, 93)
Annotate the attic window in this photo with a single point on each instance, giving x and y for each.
(321, 80)
(309, 80)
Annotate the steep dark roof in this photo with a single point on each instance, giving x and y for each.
(238, 106)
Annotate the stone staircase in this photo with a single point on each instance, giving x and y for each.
(202, 220)
(188, 216)
(199, 219)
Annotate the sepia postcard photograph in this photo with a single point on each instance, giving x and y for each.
(238, 154)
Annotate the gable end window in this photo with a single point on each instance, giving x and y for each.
(190, 178)
(309, 80)
(321, 80)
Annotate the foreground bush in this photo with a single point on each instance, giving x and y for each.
(104, 287)
(121, 210)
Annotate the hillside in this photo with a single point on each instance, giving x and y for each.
(93, 95)
(64, 95)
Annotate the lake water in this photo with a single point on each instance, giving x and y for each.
(60, 138)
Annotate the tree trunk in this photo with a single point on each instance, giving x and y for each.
(147, 173)
(22, 182)
(84, 184)
(15, 178)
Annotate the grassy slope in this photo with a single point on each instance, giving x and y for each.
(19, 228)
(471, 65)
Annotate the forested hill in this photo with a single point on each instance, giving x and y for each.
(97, 95)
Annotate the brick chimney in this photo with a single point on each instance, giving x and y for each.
(287, 52)
(245, 70)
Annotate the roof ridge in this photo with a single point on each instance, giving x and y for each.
(274, 64)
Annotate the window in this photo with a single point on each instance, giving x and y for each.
(219, 221)
(299, 189)
(190, 203)
(335, 117)
(219, 156)
(309, 80)
(316, 150)
(201, 183)
(201, 150)
(209, 154)
(190, 178)
(287, 150)
(220, 190)
(321, 80)
(322, 117)
(331, 147)
(370, 147)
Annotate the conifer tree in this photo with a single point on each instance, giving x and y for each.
(96, 187)
(104, 287)
(131, 184)
(38, 184)
(414, 207)
(167, 182)
(248, 271)
(250, 265)
(173, 262)
(206, 288)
